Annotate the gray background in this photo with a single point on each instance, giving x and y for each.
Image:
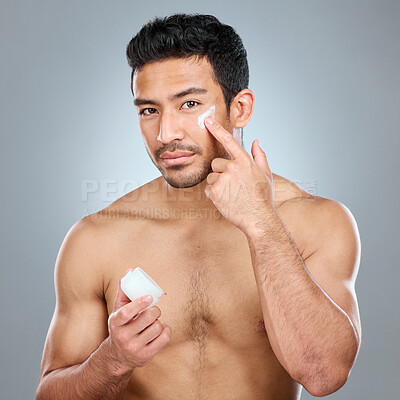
(326, 79)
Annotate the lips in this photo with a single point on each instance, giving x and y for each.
(175, 154)
(176, 157)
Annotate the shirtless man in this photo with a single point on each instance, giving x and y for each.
(259, 276)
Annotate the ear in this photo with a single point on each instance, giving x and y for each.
(242, 107)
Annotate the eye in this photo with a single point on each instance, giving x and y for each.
(190, 102)
(142, 112)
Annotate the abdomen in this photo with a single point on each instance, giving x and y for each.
(213, 370)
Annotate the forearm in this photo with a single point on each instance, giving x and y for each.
(312, 336)
(99, 377)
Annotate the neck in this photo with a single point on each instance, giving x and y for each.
(188, 203)
(185, 198)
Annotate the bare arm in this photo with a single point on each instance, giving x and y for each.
(96, 378)
(88, 354)
(310, 306)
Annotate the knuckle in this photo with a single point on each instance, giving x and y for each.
(133, 348)
(148, 318)
(232, 166)
(122, 339)
(143, 362)
(144, 355)
(155, 312)
(165, 338)
(123, 313)
(227, 137)
(111, 322)
(157, 308)
(158, 326)
(212, 178)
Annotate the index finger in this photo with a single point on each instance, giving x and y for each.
(127, 312)
(234, 149)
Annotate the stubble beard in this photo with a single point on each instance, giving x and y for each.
(193, 176)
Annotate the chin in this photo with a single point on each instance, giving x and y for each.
(181, 176)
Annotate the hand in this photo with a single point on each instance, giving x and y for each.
(131, 332)
(241, 188)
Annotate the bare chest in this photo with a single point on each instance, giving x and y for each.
(207, 277)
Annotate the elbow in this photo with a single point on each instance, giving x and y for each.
(321, 388)
(324, 383)
(326, 376)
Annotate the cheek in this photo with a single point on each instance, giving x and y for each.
(208, 113)
(149, 131)
(148, 127)
(190, 125)
(218, 151)
(150, 143)
(210, 147)
(182, 124)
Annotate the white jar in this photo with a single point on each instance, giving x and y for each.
(137, 283)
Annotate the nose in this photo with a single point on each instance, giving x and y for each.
(170, 129)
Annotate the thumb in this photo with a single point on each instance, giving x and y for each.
(260, 158)
(121, 298)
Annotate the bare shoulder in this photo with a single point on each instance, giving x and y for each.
(139, 204)
(288, 191)
(293, 201)
(79, 261)
(316, 222)
(87, 249)
(333, 233)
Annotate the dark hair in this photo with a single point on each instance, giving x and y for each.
(187, 35)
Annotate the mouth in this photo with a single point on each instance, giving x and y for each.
(176, 159)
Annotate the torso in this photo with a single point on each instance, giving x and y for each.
(219, 346)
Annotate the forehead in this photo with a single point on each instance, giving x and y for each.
(166, 76)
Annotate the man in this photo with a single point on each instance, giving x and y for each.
(259, 276)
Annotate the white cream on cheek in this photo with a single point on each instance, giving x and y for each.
(200, 120)
(209, 113)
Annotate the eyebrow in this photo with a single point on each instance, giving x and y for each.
(183, 93)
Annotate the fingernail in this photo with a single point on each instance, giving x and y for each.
(148, 299)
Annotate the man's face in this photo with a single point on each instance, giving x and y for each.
(168, 117)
